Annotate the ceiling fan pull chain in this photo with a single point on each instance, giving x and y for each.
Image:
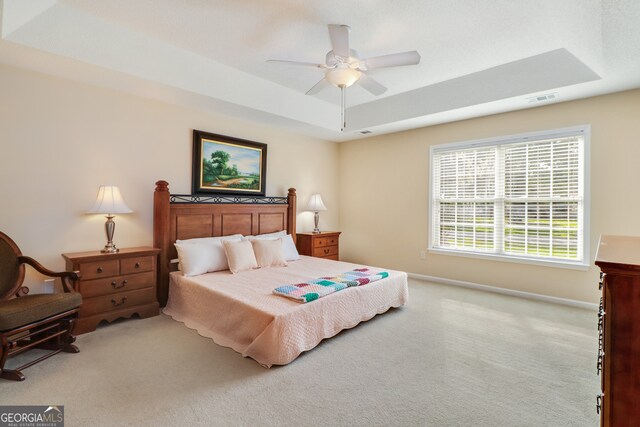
(343, 106)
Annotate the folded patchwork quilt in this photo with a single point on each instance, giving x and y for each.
(313, 289)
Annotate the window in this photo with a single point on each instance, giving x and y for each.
(518, 198)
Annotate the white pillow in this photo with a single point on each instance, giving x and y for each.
(210, 239)
(288, 247)
(270, 235)
(205, 255)
(240, 255)
(268, 252)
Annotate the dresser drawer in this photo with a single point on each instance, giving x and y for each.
(319, 242)
(332, 241)
(111, 285)
(98, 269)
(325, 251)
(118, 301)
(136, 265)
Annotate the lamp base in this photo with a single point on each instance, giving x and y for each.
(109, 228)
(110, 249)
(316, 220)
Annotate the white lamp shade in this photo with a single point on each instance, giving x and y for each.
(109, 201)
(342, 76)
(315, 204)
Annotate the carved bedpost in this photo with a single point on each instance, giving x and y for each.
(161, 237)
(291, 213)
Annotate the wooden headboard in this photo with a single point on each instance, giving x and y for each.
(177, 216)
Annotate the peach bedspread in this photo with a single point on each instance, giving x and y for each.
(240, 311)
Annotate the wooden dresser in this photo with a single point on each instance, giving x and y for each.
(115, 285)
(618, 361)
(322, 245)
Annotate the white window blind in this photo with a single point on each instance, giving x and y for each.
(519, 197)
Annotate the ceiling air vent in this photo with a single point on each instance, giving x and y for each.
(543, 98)
(364, 132)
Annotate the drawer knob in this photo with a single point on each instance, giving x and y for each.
(99, 270)
(326, 251)
(122, 300)
(137, 265)
(115, 285)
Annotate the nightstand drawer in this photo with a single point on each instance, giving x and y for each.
(136, 265)
(97, 269)
(98, 287)
(117, 301)
(320, 242)
(325, 251)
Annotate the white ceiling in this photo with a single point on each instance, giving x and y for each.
(479, 57)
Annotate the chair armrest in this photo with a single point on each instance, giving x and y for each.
(69, 278)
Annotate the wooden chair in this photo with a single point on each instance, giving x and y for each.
(43, 321)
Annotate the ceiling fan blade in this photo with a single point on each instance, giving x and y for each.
(317, 87)
(297, 63)
(392, 60)
(339, 35)
(371, 85)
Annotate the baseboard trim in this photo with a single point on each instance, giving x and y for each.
(504, 291)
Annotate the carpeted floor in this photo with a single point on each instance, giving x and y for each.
(451, 357)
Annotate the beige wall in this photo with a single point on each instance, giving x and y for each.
(384, 188)
(60, 140)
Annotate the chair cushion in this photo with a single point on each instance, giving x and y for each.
(21, 311)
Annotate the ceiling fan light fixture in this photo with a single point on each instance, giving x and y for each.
(343, 76)
(344, 67)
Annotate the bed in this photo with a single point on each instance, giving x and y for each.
(240, 311)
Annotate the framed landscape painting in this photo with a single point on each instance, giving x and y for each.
(227, 165)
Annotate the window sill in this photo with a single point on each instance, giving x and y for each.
(516, 259)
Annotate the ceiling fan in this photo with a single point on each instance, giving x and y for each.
(343, 66)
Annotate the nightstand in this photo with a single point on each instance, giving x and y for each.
(114, 286)
(322, 245)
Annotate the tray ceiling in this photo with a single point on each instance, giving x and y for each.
(478, 58)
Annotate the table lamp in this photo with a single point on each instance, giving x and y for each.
(110, 202)
(315, 205)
